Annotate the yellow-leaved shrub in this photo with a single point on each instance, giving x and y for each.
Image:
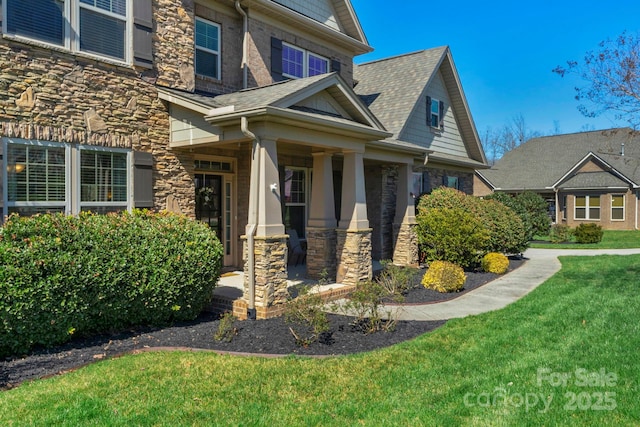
(444, 276)
(494, 262)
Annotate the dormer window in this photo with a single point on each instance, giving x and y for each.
(298, 63)
(435, 113)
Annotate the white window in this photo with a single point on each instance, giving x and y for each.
(207, 49)
(53, 177)
(298, 63)
(97, 27)
(587, 207)
(617, 207)
(295, 199)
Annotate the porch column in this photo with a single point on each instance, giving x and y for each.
(321, 227)
(270, 242)
(353, 251)
(405, 250)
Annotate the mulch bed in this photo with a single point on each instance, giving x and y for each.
(265, 337)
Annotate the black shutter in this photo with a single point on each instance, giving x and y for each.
(142, 179)
(335, 66)
(142, 33)
(426, 183)
(276, 59)
(441, 124)
(428, 111)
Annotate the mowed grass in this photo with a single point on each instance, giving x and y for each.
(611, 239)
(566, 354)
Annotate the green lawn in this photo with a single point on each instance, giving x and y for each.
(566, 354)
(611, 239)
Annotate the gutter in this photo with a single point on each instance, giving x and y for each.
(245, 29)
(252, 224)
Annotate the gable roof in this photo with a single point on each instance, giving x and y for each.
(393, 88)
(341, 27)
(553, 162)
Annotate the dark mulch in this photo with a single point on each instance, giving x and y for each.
(268, 337)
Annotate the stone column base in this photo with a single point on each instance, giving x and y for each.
(270, 255)
(405, 251)
(321, 249)
(353, 256)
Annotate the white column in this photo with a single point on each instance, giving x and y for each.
(353, 214)
(405, 204)
(270, 209)
(322, 212)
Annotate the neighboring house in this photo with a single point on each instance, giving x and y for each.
(223, 111)
(585, 177)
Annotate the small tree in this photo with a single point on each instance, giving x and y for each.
(531, 208)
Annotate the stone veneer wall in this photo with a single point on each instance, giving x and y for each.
(406, 245)
(52, 95)
(436, 177)
(321, 250)
(270, 270)
(353, 252)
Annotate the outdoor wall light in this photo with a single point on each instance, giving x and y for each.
(274, 187)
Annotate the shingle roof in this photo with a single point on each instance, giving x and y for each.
(391, 87)
(594, 180)
(542, 162)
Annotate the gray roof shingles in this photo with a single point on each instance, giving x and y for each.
(541, 162)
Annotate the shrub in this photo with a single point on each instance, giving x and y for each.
(451, 234)
(307, 312)
(443, 276)
(560, 233)
(396, 280)
(506, 232)
(494, 262)
(531, 208)
(226, 328)
(365, 304)
(62, 276)
(588, 233)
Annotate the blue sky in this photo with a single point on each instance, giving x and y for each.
(504, 51)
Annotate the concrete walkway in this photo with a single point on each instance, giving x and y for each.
(541, 265)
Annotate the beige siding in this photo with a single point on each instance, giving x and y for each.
(319, 10)
(417, 131)
(567, 213)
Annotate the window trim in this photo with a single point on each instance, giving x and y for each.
(71, 16)
(623, 207)
(434, 101)
(305, 61)
(72, 204)
(307, 195)
(587, 208)
(77, 182)
(207, 50)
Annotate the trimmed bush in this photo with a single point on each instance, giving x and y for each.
(588, 233)
(451, 234)
(507, 234)
(443, 276)
(62, 276)
(560, 233)
(531, 208)
(494, 262)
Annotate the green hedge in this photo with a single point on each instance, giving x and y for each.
(62, 276)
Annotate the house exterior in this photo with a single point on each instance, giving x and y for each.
(585, 177)
(224, 111)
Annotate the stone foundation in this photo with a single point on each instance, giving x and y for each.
(353, 256)
(405, 252)
(270, 270)
(321, 249)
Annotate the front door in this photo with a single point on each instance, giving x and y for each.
(209, 201)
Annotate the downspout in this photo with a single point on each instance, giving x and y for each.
(245, 29)
(252, 224)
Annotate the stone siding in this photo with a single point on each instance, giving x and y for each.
(56, 96)
(434, 178)
(321, 249)
(406, 245)
(353, 254)
(270, 271)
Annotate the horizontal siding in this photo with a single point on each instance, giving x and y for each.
(189, 126)
(418, 132)
(319, 10)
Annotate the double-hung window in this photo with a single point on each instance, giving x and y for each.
(295, 198)
(96, 27)
(617, 207)
(435, 113)
(298, 63)
(587, 207)
(44, 177)
(207, 49)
